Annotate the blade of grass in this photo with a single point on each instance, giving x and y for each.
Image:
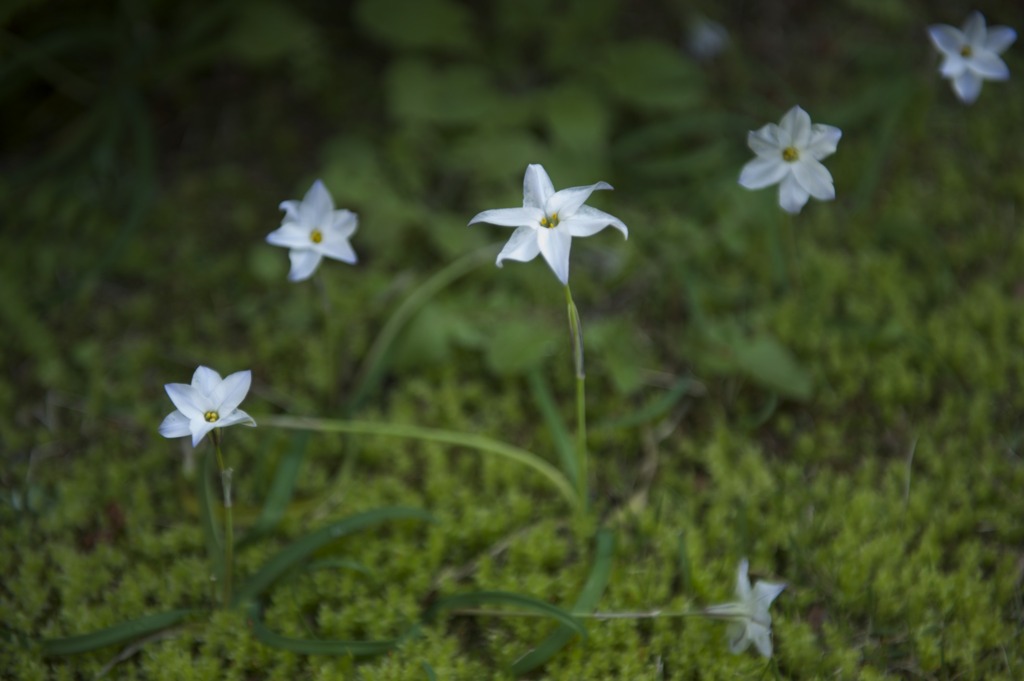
(527, 603)
(281, 489)
(477, 442)
(585, 603)
(211, 533)
(117, 634)
(559, 432)
(305, 646)
(652, 410)
(302, 548)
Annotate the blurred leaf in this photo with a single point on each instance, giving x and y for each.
(577, 119)
(491, 155)
(417, 24)
(267, 31)
(117, 634)
(620, 351)
(564, 445)
(518, 346)
(305, 646)
(528, 603)
(652, 75)
(726, 349)
(453, 95)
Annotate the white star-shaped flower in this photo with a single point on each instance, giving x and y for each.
(210, 402)
(749, 619)
(548, 221)
(971, 56)
(790, 153)
(312, 229)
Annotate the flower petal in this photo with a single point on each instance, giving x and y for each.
(231, 391)
(952, 65)
(567, 201)
(974, 29)
(763, 595)
(587, 221)
(761, 636)
(999, 38)
(187, 399)
(343, 222)
(291, 210)
(763, 172)
(765, 141)
(797, 123)
(967, 86)
(554, 246)
(988, 65)
(522, 246)
(537, 187)
(947, 39)
(824, 140)
(205, 380)
(200, 427)
(337, 247)
(509, 217)
(317, 206)
(304, 263)
(290, 235)
(175, 425)
(743, 581)
(792, 196)
(815, 179)
(736, 634)
(237, 417)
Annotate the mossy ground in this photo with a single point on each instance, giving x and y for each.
(889, 498)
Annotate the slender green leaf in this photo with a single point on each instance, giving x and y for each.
(305, 646)
(281, 489)
(429, 671)
(559, 432)
(117, 634)
(477, 598)
(302, 548)
(652, 410)
(585, 603)
(211, 533)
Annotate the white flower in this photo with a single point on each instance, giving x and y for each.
(210, 402)
(548, 221)
(971, 56)
(312, 229)
(790, 153)
(749, 620)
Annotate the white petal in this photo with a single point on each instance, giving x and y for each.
(762, 638)
(797, 123)
(509, 217)
(763, 595)
(187, 399)
(344, 223)
(952, 65)
(967, 86)
(999, 38)
(743, 581)
(792, 196)
(736, 634)
(304, 263)
(824, 140)
(291, 210)
(566, 202)
(522, 246)
(290, 235)
(974, 29)
(317, 206)
(588, 221)
(200, 427)
(765, 141)
(537, 187)
(947, 39)
(988, 65)
(763, 172)
(337, 247)
(237, 417)
(554, 246)
(231, 391)
(205, 380)
(175, 425)
(815, 179)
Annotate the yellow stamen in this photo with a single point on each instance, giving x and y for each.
(211, 416)
(549, 222)
(316, 236)
(790, 154)
(966, 51)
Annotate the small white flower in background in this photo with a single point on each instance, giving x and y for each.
(548, 221)
(312, 229)
(210, 402)
(790, 153)
(971, 56)
(749, 619)
(706, 39)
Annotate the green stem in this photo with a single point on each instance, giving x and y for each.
(229, 523)
(576, 337)
(478, 442)
(329, 351)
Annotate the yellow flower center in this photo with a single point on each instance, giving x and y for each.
(549, 222)
(316, 236)
(790, 154)
(966, 51)
(211, 416)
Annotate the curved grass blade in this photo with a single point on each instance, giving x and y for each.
(476, 598)
(429, 671)
(302, 548)
(585, 603)
(651, 410)
(559, 432)
(211, 533)
(305, 646)
(117, 634)
(281, 489)
(478, 442)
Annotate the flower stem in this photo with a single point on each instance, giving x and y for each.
(229, 523)
(576, 337)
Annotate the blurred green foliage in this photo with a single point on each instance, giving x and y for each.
(854, 422)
